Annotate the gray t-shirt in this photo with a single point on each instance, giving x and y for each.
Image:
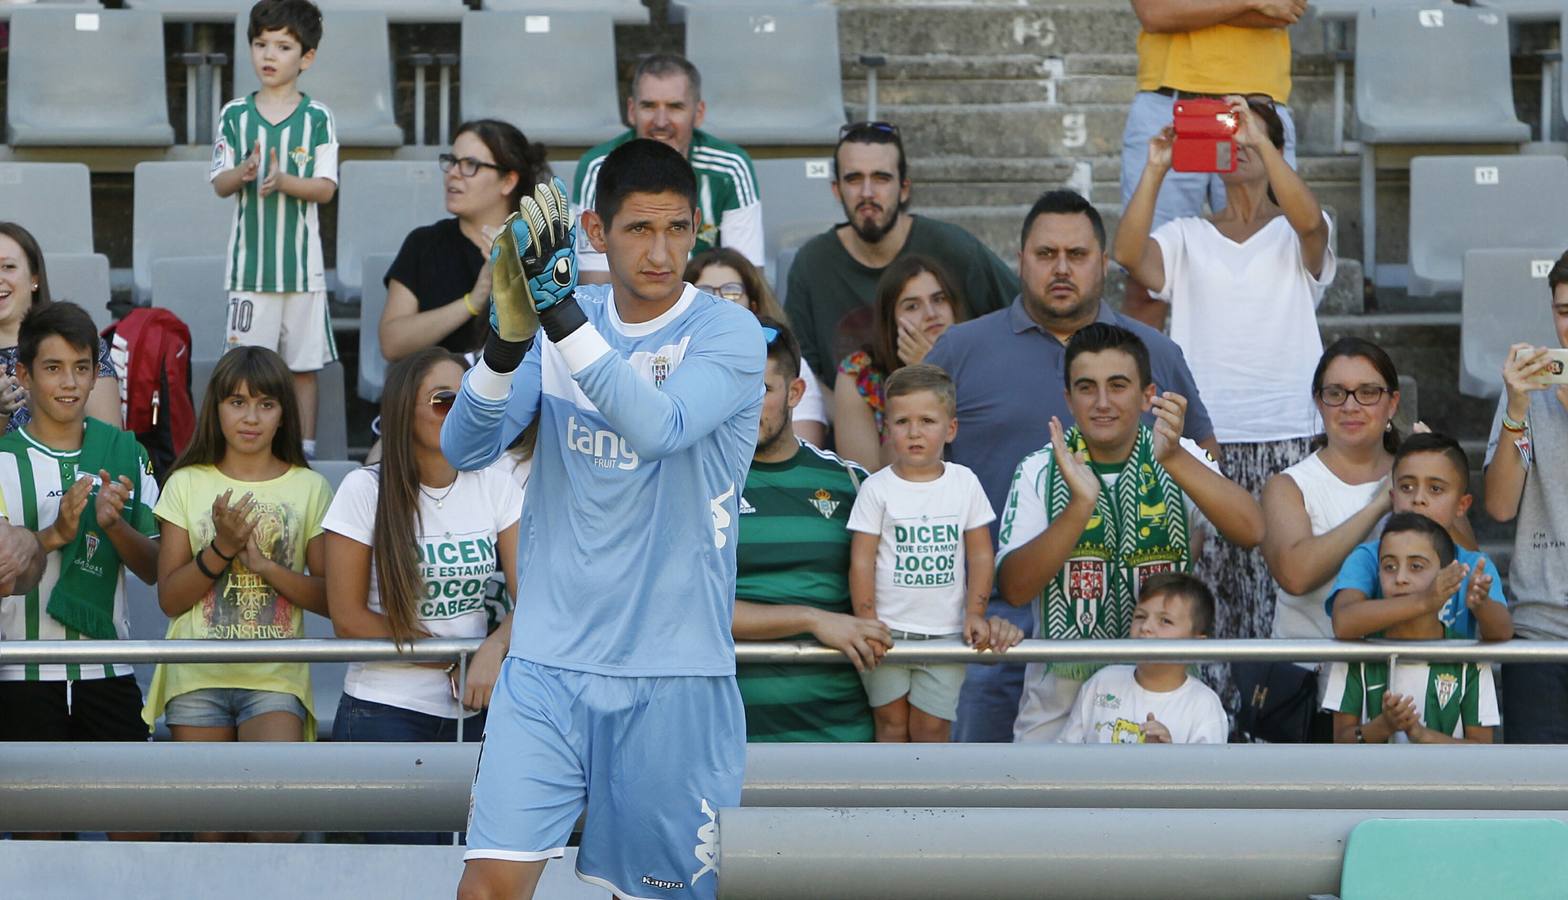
(1538, 573)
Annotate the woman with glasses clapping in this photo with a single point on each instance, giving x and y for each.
(438, 288)
(411, 543)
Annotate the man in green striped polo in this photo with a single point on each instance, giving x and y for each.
(792, 580)
(666, 105)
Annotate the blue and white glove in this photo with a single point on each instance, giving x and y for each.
(533, 266)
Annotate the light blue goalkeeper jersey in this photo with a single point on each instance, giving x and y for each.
(626, 551)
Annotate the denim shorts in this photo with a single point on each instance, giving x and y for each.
(931, 688)
(228, 707)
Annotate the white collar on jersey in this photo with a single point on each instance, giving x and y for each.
(642, 329)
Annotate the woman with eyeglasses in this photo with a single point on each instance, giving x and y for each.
(725, 273)
(438, 288)
(411, 543)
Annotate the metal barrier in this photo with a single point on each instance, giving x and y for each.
(334, 650)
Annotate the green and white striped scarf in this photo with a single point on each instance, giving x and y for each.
(1139, 528)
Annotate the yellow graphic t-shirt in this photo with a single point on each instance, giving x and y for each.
(241, 605)
(1220, 59)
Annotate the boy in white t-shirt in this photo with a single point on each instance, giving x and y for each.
(1154, 703)
(921, 558)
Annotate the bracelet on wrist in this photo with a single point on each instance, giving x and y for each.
(468, 304)
(1510, 424)
(201, 566)
(227, 559)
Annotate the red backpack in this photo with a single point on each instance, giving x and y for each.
(151, 352)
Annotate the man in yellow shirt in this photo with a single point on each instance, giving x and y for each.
(1201, 48)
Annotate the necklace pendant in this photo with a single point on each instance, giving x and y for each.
(440, 504)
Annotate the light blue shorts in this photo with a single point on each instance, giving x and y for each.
(652, 760)
(228, 707)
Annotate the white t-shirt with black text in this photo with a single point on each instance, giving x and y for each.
(921, 576)
(457, 555)
(1112, 708)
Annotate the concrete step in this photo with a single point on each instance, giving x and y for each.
(1008, 130)
(986, 29)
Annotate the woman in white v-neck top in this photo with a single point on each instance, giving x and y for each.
(1243, 286)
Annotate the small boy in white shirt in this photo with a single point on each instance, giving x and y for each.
(921, 558)
(1154, 703)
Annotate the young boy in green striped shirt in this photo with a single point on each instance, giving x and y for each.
(277, 152)
(86, 489)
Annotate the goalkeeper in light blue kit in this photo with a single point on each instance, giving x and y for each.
(618, 693)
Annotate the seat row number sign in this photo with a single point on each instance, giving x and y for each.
(1485, 174)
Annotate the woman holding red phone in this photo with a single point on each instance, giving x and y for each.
(1244, 284)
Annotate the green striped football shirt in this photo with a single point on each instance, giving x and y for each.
(275, 242)
(33, 478)
(794, 549)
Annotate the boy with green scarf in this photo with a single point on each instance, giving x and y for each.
(1108, 504)
(86, 489)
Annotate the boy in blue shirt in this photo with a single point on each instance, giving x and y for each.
(618, 692)
(1431, 476)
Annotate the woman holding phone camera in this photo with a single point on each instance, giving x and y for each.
(1244, 284)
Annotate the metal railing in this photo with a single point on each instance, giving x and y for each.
(309, 650)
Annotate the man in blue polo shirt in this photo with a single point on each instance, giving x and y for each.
(1007, 366)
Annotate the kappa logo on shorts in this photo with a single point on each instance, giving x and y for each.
(661, 884)
(707, 848)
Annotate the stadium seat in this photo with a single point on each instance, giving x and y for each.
(770, 74)
(335, 470)
(331, 413)
(565, 170)
(1460, 203)
(1448, 859)
(402, 11)
(624, 12)
(191, 287)
(379, 203)
(175, 213)
(1505, 301)
(797, 201)
(201, 376)
(7, 8)
(118, 99)
(372, 301)
(213, 11)
(83, 279)
(551, 75)
(780, 272)
(1429, 76)
(53, 201)
(352, 75)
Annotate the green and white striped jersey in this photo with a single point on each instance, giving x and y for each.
(275, 242)
(33, 478)
(1448, 696)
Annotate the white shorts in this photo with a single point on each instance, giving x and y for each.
(296, 325)
(1046, 705)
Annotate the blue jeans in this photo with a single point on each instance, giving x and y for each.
(1535, 703)
(988, 702)
(366, 720)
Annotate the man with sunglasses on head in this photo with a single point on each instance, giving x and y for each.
(833, 281)
(665, 105)
(618, 692)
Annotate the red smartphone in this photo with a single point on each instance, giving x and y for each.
(1205, 136)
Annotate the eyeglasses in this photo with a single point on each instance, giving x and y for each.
(861, 129)
(467, 166)
(441, 401)
(734, 291)
(1366, 395)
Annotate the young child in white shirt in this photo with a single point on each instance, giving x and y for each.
(921, 558)
(1154, 703)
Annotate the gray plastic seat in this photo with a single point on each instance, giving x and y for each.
(331, 413)
(214, 11)
(780, 272)
(83, 279)
(117, 98)
(352, 75)
(1461, 203)
(402, 11)
(201, 376)
(6, 9)
(797, 201)
(1505, 301)
(379, 203)
(770, 74)
(624, 12)
(335, 470)
(192, 288)
(175, 213)
(551, 75)
(52, 200)
(372, 303)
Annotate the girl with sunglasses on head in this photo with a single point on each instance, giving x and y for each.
(240, 557)
(725, 273)
(438, 287)
(410, 545)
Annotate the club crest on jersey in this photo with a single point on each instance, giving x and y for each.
(300, 156)
(92, 545)
(1085, 588)
(661, 369)
(824, 503)
(1445, 684)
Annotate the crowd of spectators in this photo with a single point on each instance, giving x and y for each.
(933, 422)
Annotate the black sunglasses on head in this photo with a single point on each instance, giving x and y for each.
(867, 129)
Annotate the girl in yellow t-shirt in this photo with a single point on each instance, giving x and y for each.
(241, 524)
